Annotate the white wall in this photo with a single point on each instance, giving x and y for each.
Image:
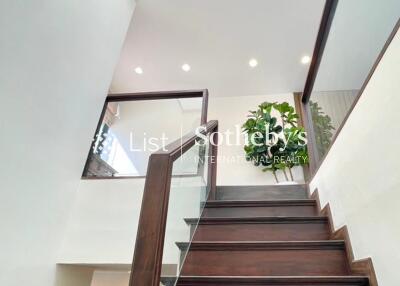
(57, 60)
(74, 275)
(110, 278)
(233, 169)
(104, 220)
(360, 175)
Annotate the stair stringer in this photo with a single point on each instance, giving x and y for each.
(358, 267)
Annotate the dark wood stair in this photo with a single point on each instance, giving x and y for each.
(260, 229)
(288, 258)
(288, 192)
(264, 235)
(251, 208)
(273, 281)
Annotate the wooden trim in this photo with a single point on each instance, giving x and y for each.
(154, 95)
(116, 97)
(365, 266)
(257, 220)
(259, 203)
(361, 91)
(164, 95)
(357, 267)
(147, 261)
(103, 112)
(273, 280)
(306, 120)
(311, 140)
(298, 107)
(322, 37)
(204, 107)
(261, 245)
(212, 166)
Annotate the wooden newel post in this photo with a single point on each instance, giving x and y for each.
(146, 266)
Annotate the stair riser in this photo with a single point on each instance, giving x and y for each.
(269, 284)
(263, 232)
(261, 193)
(251, 211)
(268, 281)
(259, 262)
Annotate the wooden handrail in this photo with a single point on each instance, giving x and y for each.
(147, 261)
(322, 37)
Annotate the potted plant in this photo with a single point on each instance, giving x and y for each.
(275, 142)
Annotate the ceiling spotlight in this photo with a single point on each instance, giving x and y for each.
(186, 67)
(305, 60)
(138, 70)
(253, 63)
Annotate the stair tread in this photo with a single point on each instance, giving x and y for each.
(253, 245)
(258, 219)
(234, 203)
(274, 280)
(354, 277)
(252, 208)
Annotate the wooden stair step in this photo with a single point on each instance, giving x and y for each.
(260, 228)
(260, 258)
(273, 281)
(250, 208)
(271, 192)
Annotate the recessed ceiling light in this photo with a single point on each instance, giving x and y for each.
(253, 63)
(138, 70)
(305, 60)
(186, 67)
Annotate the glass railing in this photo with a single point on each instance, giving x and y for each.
(179, 181)
(131, 129)
(186, 201)
(328, 110)
(358, 32)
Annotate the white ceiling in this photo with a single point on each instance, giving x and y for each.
(217, 38)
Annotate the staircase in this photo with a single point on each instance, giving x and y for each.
(264, 236)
